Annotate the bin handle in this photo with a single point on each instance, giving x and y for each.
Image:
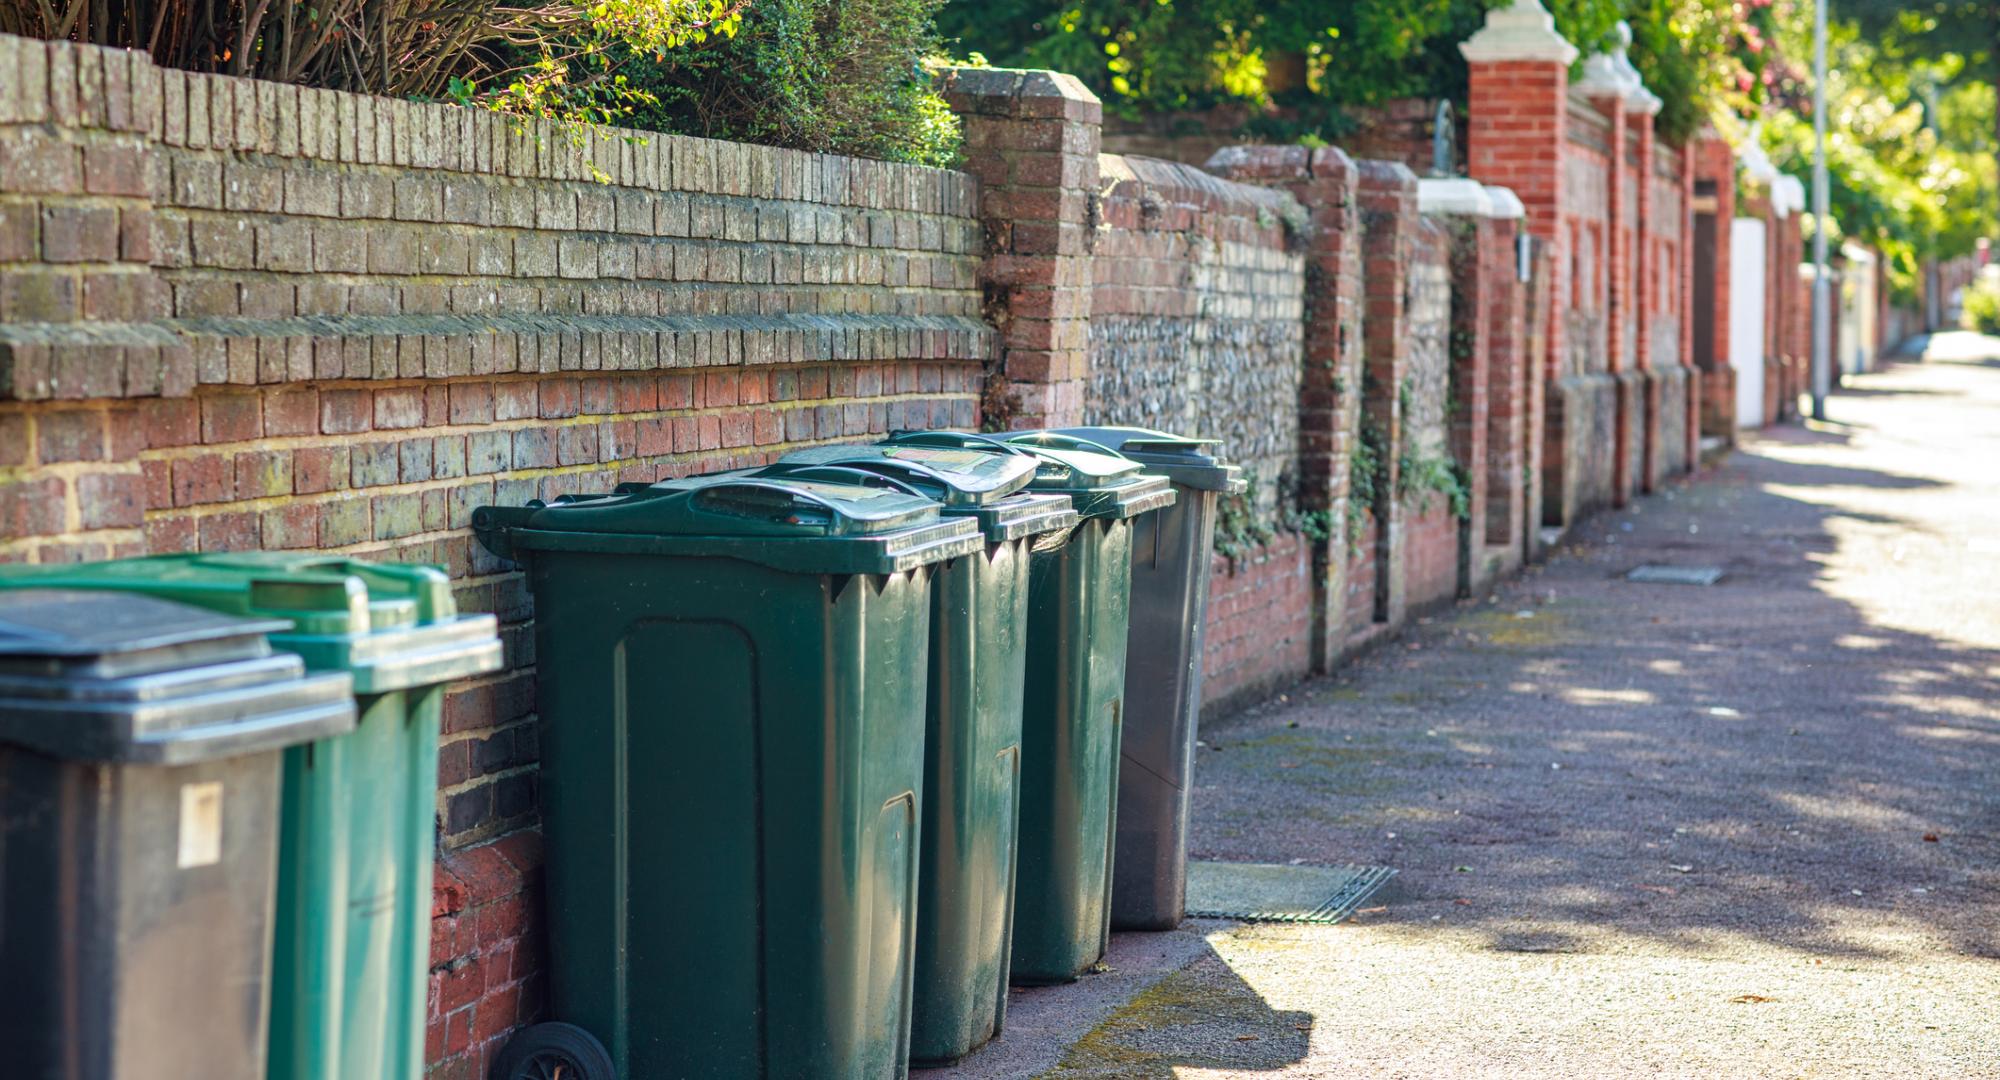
(1061, 441)
(707, 498)
(962, 440)
(852, 474)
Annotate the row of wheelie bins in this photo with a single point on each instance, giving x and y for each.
(831, 748)
(831, 757)
(217, 791)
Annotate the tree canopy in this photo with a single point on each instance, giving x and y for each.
(1158, 55)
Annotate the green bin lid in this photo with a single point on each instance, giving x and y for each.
(1099, 482)
(986, 487)
(111, 677)
(391, 625)
(802, 526)
(1185, 460)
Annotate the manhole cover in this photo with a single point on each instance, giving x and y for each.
(1269, 892)
(1655, 574)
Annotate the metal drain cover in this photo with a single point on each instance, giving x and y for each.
(1657, 574)
(1269, 892)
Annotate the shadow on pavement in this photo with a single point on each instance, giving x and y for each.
(1587, 759)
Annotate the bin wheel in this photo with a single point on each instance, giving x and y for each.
(553, 1052)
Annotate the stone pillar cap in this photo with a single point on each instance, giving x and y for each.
(1458, 196)
(1506, 205)
(1453, 195)
(1611, 74)
(1788, 195)
(1524, 30)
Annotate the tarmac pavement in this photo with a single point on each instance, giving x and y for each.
(1744, 830)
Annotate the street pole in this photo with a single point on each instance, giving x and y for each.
(1822, 332)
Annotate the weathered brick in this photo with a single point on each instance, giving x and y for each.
(38, 295)
(374, 464)
(115, 169)
(76, 435)
(111, 500)
(234, 417)
(319, 468)
(263, 474)
(291, 412)
(346, 412)
(79, 233)
(233, 531)
(202, 478)
(399, 408)
(33, 162)
(398, 515)
(344, 521)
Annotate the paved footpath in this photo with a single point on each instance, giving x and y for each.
(1750, 830)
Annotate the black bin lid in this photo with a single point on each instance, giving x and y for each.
(112, 676)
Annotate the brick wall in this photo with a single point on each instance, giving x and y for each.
(1197, 295)
(1432, 389)
(1259, 623)
(240, 315)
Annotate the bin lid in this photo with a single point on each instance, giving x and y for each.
(803, 526)
(955, 477)
(391, 625)
(116, 677)
(1099, 482)
(986, 487)
(1186, 460)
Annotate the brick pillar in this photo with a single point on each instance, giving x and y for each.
(1698, 390)
(1323, 181)
(1714, 185)
(1613, 85)
(1465, 210)
(1387, 193)
(1516, 137)
(1032, 138)
(1507, 368)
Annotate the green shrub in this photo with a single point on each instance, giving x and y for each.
(1982, 305)
(843, 76)
(837, 76)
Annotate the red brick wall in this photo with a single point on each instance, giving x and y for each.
(1430, 553)
(1259, 634)
(1323, 181)
(1358, 609)
(239, 315)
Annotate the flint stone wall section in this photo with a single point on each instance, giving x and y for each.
(1196, 314)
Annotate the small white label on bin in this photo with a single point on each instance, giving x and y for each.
(201, 824)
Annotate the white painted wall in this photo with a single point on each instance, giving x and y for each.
(1746, 318)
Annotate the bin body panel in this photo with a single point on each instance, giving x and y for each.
(354, 894)
(351, 961)
(731, 770)
(146, 968)
(972, 751)
(1078, 610)
(1170, 576)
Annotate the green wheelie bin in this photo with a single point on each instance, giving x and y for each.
(972, 735)
(1171, 556)
(357, 828)
(1078, 612)
(731, 680)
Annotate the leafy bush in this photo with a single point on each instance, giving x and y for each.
(841, 76)
(825, 75)
(1982, 305)
(1314, 56)
(399, 48)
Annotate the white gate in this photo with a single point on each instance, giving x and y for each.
(1746, 318)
